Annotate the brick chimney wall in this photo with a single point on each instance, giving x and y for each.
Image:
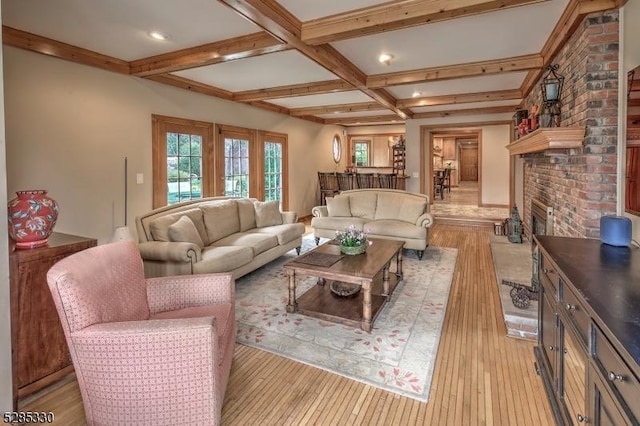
(580, 184)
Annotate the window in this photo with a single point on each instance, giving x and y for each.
(189, 163)
(180, 148)
(274, 167)
(361, 153)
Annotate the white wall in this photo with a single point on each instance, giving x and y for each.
(6, 387)
(70, 126)
(629, 59)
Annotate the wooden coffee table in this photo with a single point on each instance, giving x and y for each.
(369, 270)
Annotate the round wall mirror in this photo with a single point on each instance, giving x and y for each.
(337, 148)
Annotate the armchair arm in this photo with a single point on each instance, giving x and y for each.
(170, 251)
(182, 291)
(289, 217)
(320, 211)
(425, 220)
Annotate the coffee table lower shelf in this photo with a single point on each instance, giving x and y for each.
(320, 302)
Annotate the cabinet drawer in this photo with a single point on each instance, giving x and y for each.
(549, 275)
(576, 312)
(617, 373)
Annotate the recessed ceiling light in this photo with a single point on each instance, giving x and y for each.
(385, 58)
(416, 94)
(157, 35)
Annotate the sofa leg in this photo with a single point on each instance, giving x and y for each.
(317, 240)
(420, 253)
(298, 250)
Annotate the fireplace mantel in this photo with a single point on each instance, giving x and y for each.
(548, 138)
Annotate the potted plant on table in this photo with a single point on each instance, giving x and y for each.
(352, 241)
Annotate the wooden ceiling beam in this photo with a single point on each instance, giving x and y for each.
(331, 109)
(364, 119)
(573, 15)
(49, 47)
(397, 15)
(207, 54)
(467, 111)
(294, 90)
(194, 86)
(279, 22)
(498, 95)
(471, 69)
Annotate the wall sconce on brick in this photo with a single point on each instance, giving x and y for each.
(551, 87)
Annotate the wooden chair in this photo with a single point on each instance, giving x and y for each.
(345, 181)
(438, 183)
(388, 180)
(446, 184)
(328, 186)
(365, 180)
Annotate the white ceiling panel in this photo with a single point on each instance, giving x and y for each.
(337, 98)
(506, 33)
(119, 28)
(306, 10)
(276, 69)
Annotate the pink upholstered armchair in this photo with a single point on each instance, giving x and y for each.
(146, 351)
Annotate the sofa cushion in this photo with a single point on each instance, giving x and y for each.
(396, 228)
(339, 206)
(185, 231)
(258, 242)
(247, 214)
(400, 207)
(285, 233)
(363, 204)
(267, 213)
(220, 219)
(338, 223)
(222, 259)
(159, 227)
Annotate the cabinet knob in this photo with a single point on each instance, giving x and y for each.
(548, 271)
(581, 418)
(613, 377)
(570, 307)
(551, 348)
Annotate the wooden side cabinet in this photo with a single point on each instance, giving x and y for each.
(588, 353)
(39, 351)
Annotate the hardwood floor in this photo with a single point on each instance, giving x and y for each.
(481, 376)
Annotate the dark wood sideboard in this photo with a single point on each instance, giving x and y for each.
(588, 351)
(39, 351)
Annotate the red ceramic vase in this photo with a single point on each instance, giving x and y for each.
(32, 215)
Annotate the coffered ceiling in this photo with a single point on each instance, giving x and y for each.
(316, 59)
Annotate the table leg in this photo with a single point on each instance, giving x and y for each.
(292, 305)
(399, 272)
(366, 308)
(385, 280)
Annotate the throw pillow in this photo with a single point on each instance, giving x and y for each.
(267, 213)
(185, 231)
(220, 219)
(339, 206)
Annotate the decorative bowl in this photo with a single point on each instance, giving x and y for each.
(353, 250)
(344, 289)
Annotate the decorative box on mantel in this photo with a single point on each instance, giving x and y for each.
(548, 138)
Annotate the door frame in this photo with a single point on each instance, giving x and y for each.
(435, 132)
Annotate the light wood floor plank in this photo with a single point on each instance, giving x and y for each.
(481, 376)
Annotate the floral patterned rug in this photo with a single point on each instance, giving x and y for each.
(398, 355)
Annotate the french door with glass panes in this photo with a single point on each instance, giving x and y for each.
(236, 163)
(181, 150)
(274, 168)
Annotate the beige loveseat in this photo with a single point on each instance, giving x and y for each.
(382, 213)
(217, 234)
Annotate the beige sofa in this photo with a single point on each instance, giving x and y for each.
(382, 213)
(217, 234)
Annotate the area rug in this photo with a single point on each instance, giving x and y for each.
(513, 264)
(398, 355)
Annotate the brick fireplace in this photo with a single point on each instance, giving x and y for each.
(579, 184)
